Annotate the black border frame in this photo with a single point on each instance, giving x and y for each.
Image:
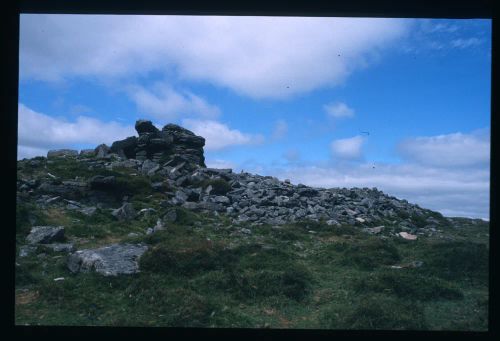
(458, 9)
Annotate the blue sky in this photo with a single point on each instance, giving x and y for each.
(398, 104)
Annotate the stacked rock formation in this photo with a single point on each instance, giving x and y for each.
(173, 145)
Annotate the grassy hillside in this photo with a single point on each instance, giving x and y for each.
(204, 272)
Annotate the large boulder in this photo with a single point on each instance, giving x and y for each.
(183, 136)
(144, 126)
(111, 260)
(45, 234)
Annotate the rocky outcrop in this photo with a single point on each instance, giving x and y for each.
(111, 260)
(172, 145)
(174, 156)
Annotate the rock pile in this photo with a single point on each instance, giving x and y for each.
(173, 160)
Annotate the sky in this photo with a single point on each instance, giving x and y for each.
(398, 104)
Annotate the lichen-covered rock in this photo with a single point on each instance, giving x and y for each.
(111, 260)
(45, 234)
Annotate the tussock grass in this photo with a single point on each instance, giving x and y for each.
(370, 253)
(377, 312)
(409, 284)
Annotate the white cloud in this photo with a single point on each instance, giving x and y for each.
(338, 110)
(451, 150)
(38, 132)
(349, 148)
(465, 43)
(261, 57)
(218, 135)
(280, 129)
(163, 102)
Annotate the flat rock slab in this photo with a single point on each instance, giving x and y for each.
(111, 260)
(60, 247)
(45, 234)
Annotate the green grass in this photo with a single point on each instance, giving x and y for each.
(377, 312)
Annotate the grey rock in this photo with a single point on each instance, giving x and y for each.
(222, 199)
(246, 231)
(144, 126)
(243, 218)
(45, 234)
(126, 212)
(190, 205)
(53, 200)
(149, 166)
(181, 196)
(89, 211)
(112, 260)
(332, 222)
(102, 151)
(60, 247)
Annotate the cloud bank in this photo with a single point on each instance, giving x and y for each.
(37, 132)
(451, 150)
(260, 57)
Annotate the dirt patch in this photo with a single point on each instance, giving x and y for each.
(27, 297)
